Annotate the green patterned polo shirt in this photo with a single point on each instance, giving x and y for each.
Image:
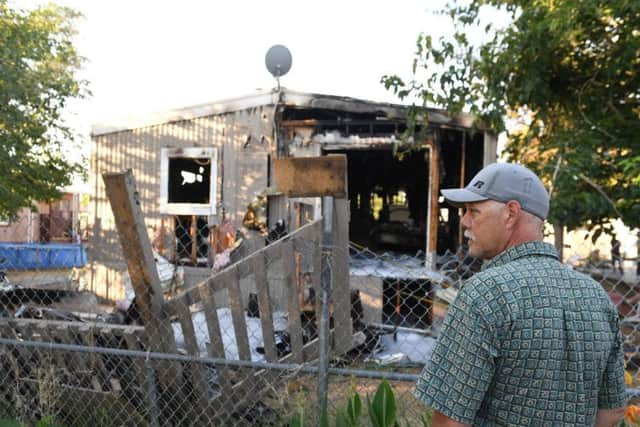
(527, 342)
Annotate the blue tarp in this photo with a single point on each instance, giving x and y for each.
(44, 256)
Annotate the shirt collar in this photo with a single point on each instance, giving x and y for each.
(522, 250)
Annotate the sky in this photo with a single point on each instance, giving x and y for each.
(151, 56)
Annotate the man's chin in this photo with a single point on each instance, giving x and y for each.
(473, 251)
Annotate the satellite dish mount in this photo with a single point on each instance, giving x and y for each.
(278, 62)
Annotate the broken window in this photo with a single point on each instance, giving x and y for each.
(188, 178)
(192, 240)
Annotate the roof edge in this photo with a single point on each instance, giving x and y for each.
(186, 113)
(285, 97)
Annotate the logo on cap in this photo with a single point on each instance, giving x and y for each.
(478, 184)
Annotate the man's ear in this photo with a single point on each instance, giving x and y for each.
(514, 213)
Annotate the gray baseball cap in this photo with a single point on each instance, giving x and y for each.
(503, 182)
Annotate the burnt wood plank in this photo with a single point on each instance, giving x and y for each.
(312, 176)
(237, 314)
(64, 334)
(264, 304)
(132, 342)
(340, 292)
(293, 302)
(216, 348)
(86, 335)
(46, 332)
(197, 371)
(15, 355)
(136, 247)
(316, 277)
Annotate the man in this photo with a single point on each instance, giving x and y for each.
(527, 341)
(616, 259)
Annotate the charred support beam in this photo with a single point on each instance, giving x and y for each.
(433, 148)
(339, 122)
(463, 172)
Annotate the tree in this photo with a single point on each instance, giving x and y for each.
(567, 73)
(38, 66)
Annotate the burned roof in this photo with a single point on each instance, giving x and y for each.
(287, 99)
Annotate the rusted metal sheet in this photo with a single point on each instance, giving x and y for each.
(312, 176)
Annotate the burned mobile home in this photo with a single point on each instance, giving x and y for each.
(205, 177)
(204, 204)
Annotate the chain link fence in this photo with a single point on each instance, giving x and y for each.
(242, 331)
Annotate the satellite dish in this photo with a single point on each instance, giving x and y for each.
(278, 61)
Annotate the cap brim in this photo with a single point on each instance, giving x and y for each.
(459, 196)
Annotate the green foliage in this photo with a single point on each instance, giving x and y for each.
(38, 65)
(354, 408)
(566, 74)
(381, 410)
(297, 420)
(48, 421)
(44, 422)
(350, 417)
(324, 419)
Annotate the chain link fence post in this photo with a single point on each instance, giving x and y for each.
(151, 393)
(327, 241)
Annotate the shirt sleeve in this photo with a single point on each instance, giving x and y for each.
(455, 380)
(612, 392)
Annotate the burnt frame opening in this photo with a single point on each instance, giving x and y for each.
(376, 170)
(388, 192)
(388, 199)
(407, 302)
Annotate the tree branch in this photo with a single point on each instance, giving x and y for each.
(601, 191)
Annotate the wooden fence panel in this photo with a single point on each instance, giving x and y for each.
(63, 334)
(293, 302)
(341, 292)
(45, 330)
(216, 348)
(316, 278)
(238, 317)
(133, 343)
(264, 305)
(197, 371)
(86, 336)
(17, 364)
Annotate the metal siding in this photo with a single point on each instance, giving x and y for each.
(139, 149)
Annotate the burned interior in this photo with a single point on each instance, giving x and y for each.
(389, 180)
(389, 188)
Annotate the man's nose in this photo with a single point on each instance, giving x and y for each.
(466, 221)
